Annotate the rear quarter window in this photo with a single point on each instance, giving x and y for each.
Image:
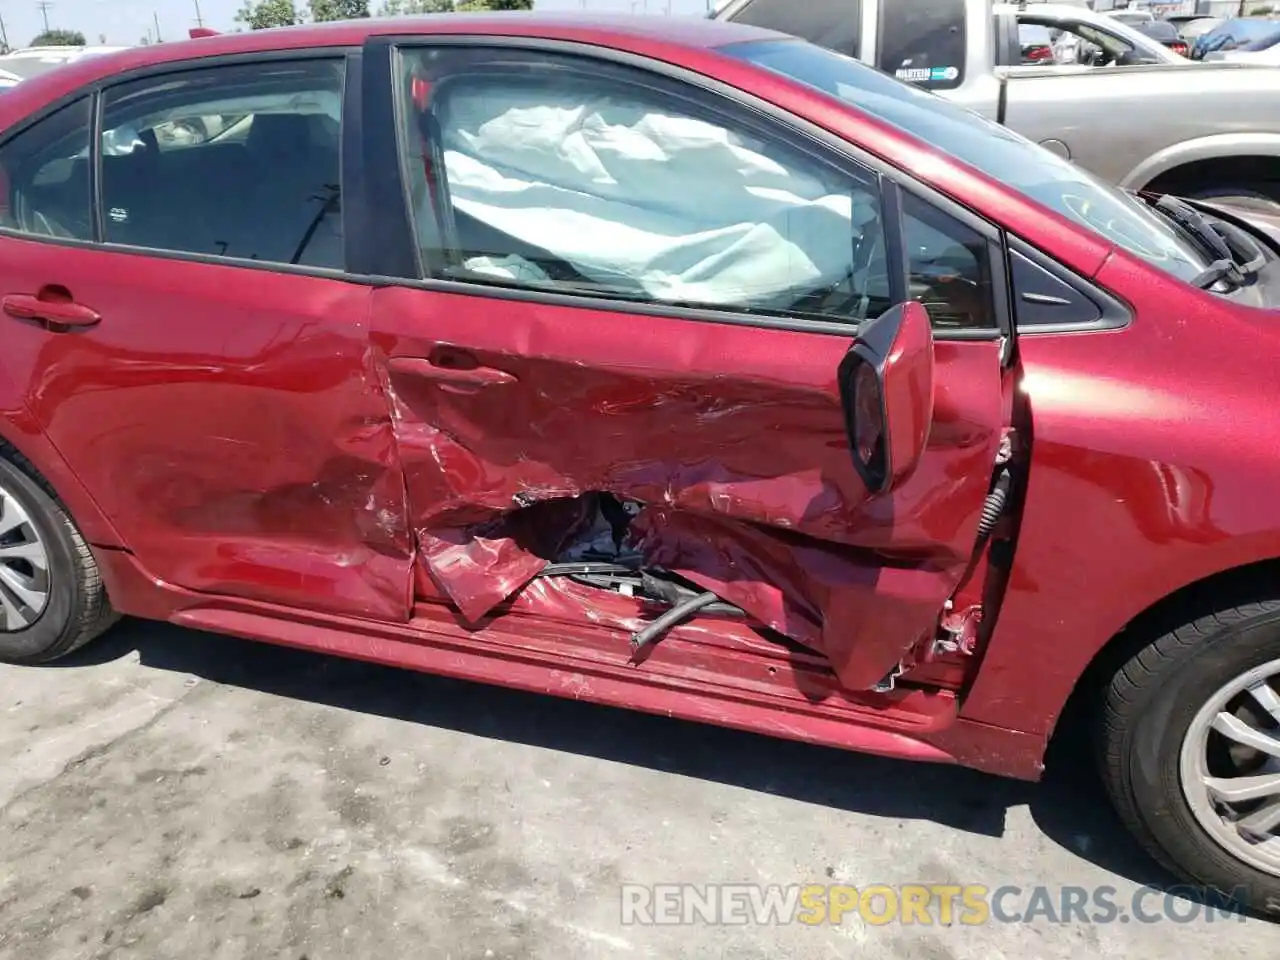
(922, 42)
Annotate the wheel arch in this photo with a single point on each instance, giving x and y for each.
(1231, 587)
(24, 443)
(1247, 157)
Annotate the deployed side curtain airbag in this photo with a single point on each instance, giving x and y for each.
(672, 207)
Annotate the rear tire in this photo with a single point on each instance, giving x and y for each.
(1168, 767)
(52, 599)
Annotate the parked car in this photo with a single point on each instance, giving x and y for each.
(1132, 18)
(1165, 33)
(1248, 52)
(1192, 28)
(1123, 114)
(1232, 33)
(1267, 56)
(793, 398)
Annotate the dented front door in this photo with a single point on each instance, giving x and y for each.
(733, 436)
(574, 203)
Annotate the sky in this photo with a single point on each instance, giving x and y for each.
(123, 22)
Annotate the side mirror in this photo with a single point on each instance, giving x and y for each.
(886, 388)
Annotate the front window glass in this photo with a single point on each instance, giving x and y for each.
(993, 149)
(569, 176)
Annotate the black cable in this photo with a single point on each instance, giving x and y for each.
(671, 618)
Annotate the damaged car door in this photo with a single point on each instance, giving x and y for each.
(618, 343)
(177, 311)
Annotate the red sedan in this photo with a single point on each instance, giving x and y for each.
(669, 364)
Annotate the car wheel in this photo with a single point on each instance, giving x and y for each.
(1190, 751)
(51, 597)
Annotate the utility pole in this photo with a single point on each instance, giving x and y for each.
(4, 36)
(43, 6)
(155, 18)
(199, 19)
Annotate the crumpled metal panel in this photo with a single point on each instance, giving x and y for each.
(230, 424)
(733, 437)
(852, 607)
(479, 567)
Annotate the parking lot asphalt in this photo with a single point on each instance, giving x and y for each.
(167, 793)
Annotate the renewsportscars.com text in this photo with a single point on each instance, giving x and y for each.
(920, 904)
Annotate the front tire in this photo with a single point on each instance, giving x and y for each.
(52, 599)
(1189, 746)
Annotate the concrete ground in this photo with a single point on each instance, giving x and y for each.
(172, 794)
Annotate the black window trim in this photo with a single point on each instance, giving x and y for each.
(396, 224)
(1114, 314)
(352, 69)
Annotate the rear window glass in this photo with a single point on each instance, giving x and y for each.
(1159, 29)
(923, 42)
(833, 24)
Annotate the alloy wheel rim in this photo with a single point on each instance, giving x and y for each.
(24, 567)
(1230, 767)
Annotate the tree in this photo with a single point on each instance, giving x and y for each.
(397, 8)
(324, 10)
(59, 38)
(261, 14)
(495, 5)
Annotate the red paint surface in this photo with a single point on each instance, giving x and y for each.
(232, 430)
(228, 422)
(754, 689)
(733, 436)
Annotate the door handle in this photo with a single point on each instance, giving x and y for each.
(51, 312)
(456, 376)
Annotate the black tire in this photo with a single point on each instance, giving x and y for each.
(77, 609)
(1146, 710)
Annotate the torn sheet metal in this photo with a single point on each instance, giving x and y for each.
(480, 566)
(732, 436)
(851, 606)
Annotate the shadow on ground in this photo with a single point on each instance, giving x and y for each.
(1068, 805)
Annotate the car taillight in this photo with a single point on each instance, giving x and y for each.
(1179, 48)
(1038, 53)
